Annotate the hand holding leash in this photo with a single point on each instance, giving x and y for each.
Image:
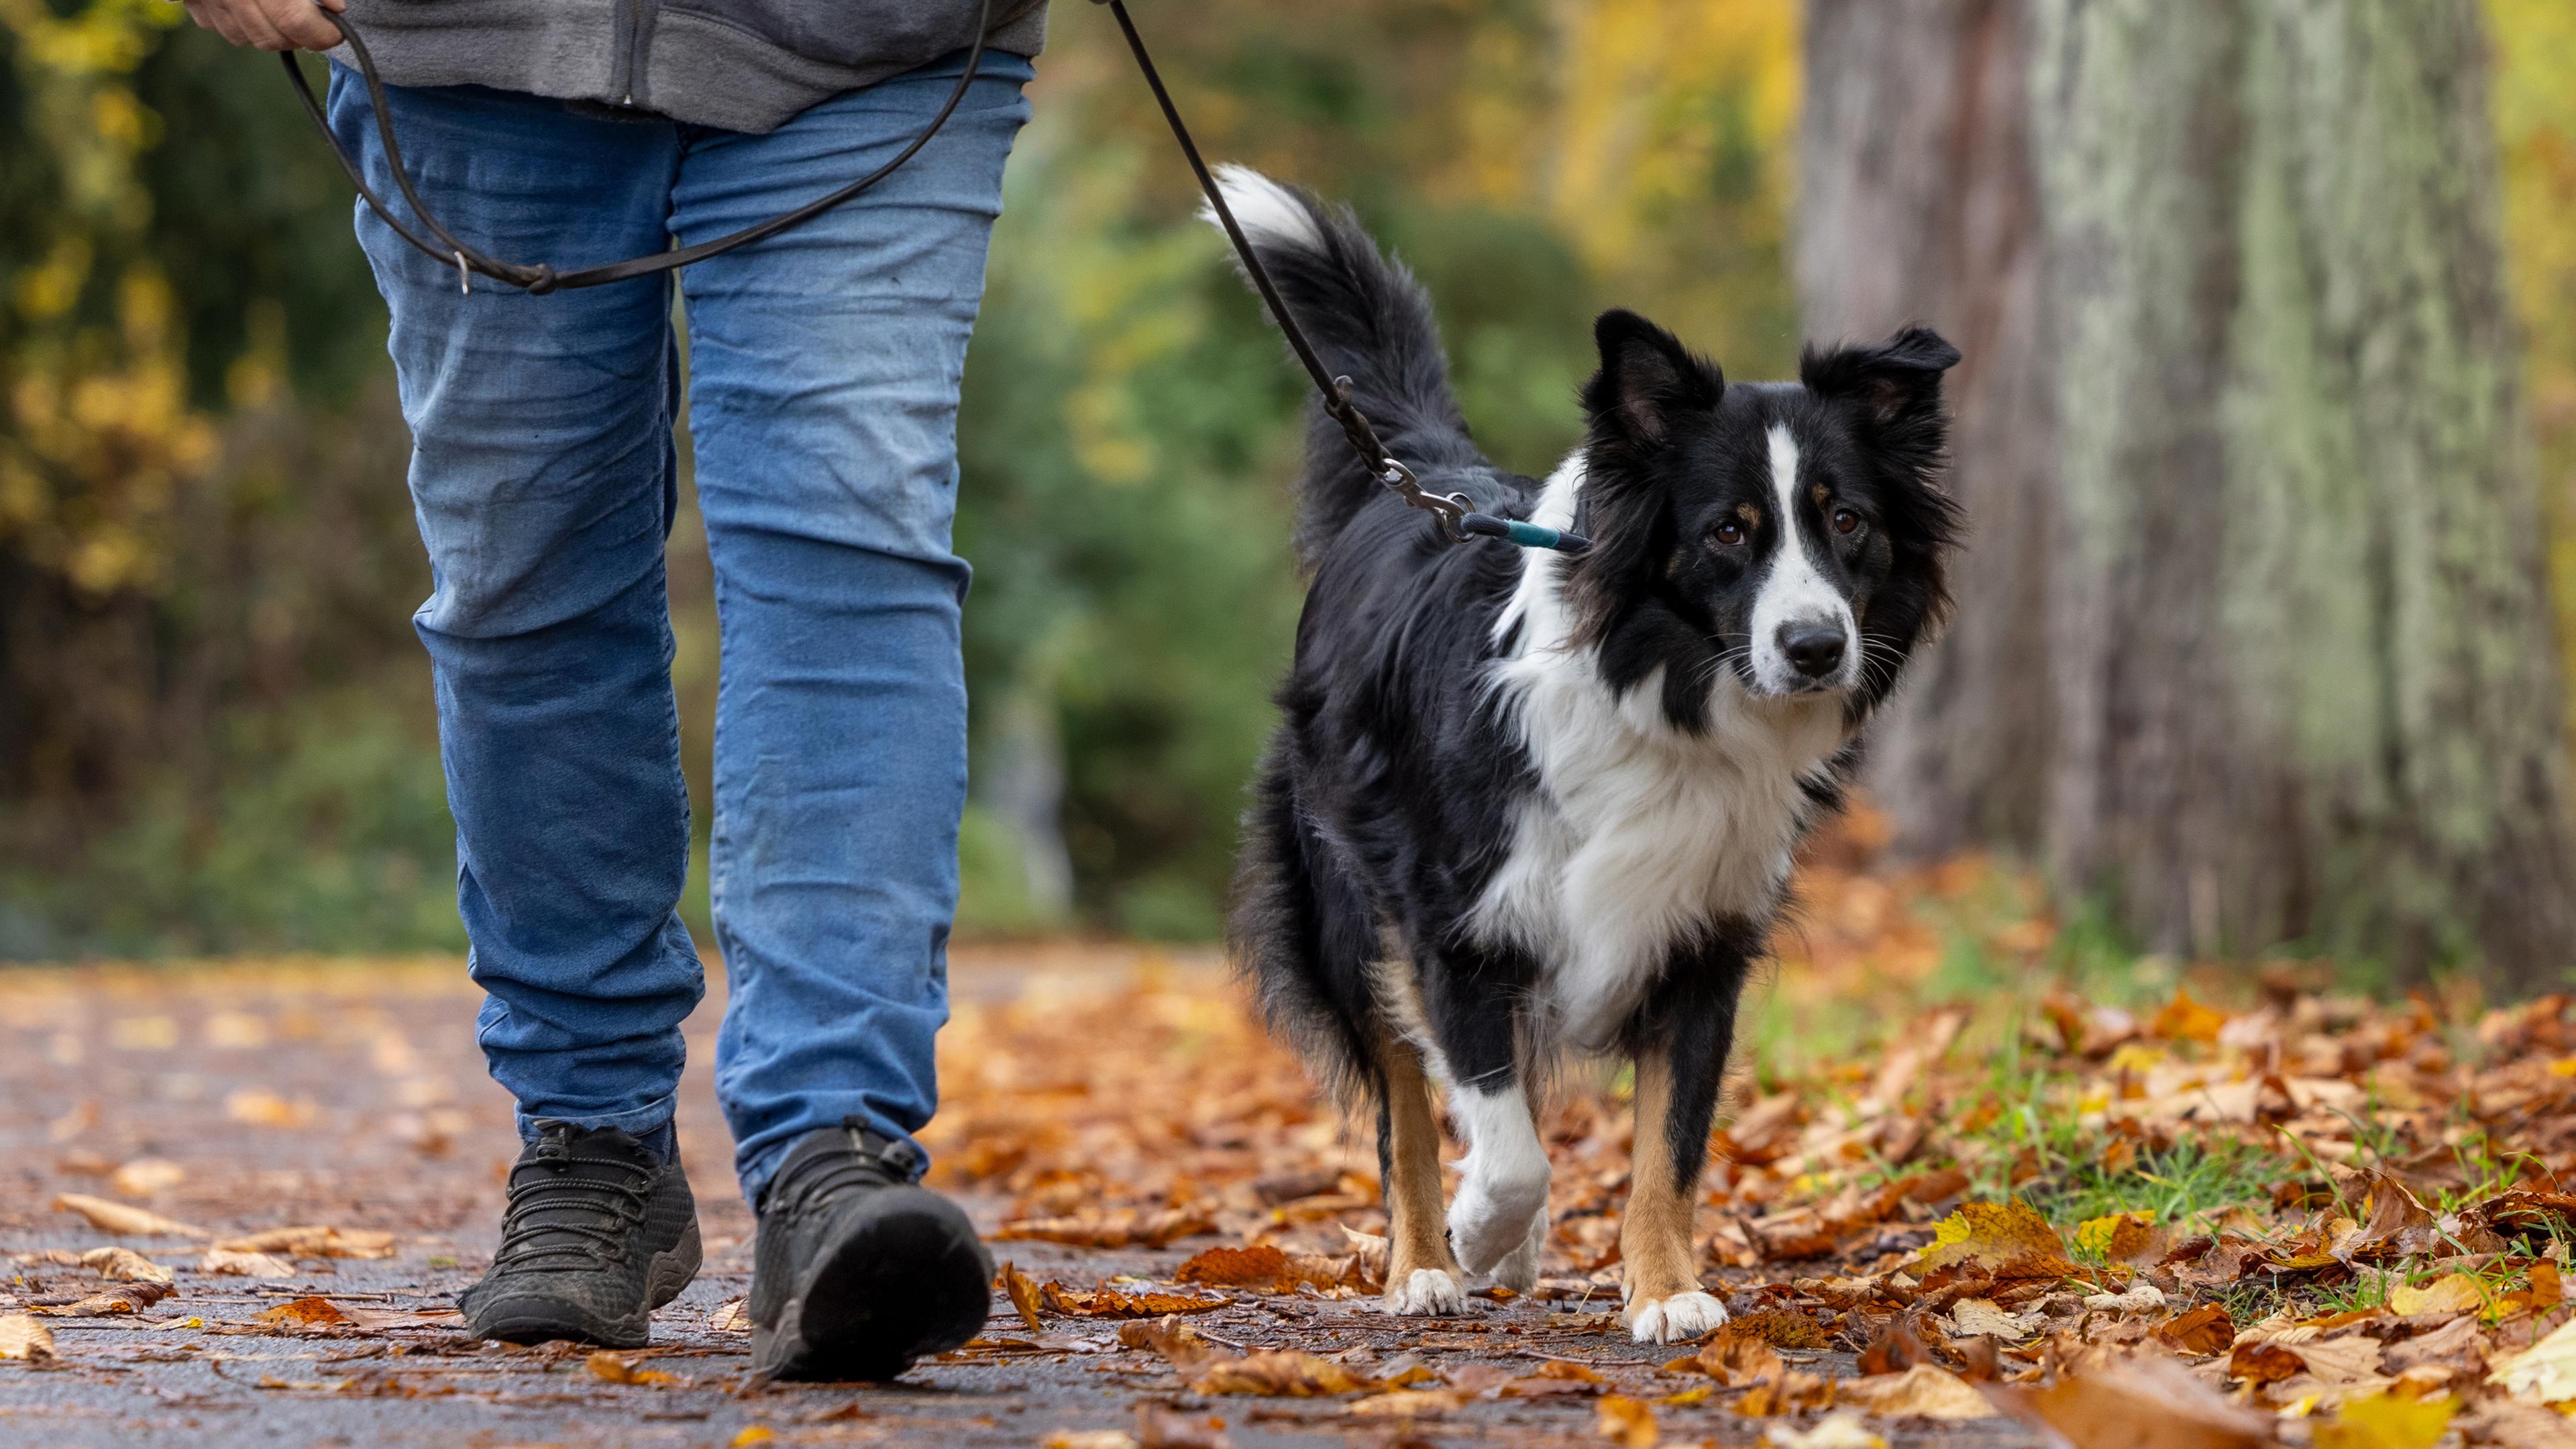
(270, 24)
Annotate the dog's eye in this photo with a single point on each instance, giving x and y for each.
(1845, 520)
(1728, 532)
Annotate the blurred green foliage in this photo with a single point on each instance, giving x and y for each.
(214, 727)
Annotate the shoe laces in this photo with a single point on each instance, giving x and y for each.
(569, 1209)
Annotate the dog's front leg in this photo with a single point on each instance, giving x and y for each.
(1421, 1275)
(1680, 1041)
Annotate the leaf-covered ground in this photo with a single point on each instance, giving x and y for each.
(1984, 1181)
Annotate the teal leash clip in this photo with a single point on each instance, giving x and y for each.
(1527, 535)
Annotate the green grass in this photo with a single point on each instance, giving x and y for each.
(2187, 1187)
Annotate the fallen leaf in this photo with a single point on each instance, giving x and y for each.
(117, 1265)
(2116, 1238)
(259, 1107)
(2007, 1240)
(2394, 1224)
(1834, 1431)
(2201, 1331)
(22, 1337)
(1370, 1250)
(147, 1177)
(1108, 1302)
(733, 1317)
(2544, 1373)
(2454, 1346)
(751, 1434)
(1734, 1358)
(1089, 1439)
(1787, 1393)
(2141, 1403)
(1258, 1266)
(247, 1265)
(1627, 1422)
(1409, 1403)
(307, 1312)
(2385, 1421)
(1122, 1229)
(613, 1369)
(1924, 1391)
(111, 1302)
(2450, 1293)
(2183, 1019)
(315, 1242)
(2140, 1298)
(118, 1219)
(1280, 1373)
(1972, 1317)
(1023, 1295)
(1895, 1349)
(1178, 1343)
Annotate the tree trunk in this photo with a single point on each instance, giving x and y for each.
(1916, 202)
(2293, 678)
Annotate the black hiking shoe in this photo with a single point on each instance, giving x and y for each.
(860, 1272)
(600, 1232)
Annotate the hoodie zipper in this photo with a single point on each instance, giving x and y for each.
(639, 46)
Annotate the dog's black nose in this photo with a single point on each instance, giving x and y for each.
(1814, 650)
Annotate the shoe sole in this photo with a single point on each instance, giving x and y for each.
(905, 1279)
(665, 1278)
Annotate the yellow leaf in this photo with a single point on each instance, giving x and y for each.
(2385, 1421)
(315, 1242)
(617, 1370)
(303, 1313)
(2450, 1293)
(1626, 1422)
(2008, 1239)
(756, 1434)
(2116, 1236)
(2184, 1019)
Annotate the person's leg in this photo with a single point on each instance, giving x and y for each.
(543, 479)
(823, 400)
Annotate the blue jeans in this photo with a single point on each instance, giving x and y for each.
(822, 378)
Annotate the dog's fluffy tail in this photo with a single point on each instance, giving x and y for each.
(1371, 322)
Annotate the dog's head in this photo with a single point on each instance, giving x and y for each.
(1790, 534)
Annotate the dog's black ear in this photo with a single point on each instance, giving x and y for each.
(1647, 378)
(1899, 378)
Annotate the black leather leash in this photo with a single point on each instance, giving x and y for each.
(1457, 520)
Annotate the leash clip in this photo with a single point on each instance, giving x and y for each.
(464, 278)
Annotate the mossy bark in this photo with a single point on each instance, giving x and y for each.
(2296, 680)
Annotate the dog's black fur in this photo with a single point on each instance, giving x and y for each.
(1391, 792)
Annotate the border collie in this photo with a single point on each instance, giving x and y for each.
(1521, 803)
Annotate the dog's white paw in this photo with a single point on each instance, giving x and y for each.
(1492, 1221)
(1519, 1269)
(1425, 1293)
(1678, 1318)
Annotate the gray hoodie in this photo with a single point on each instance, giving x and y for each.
(744, 65)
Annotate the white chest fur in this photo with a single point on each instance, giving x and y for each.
(1638, 834)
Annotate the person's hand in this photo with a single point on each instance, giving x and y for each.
(270, 24)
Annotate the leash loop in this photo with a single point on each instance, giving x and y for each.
(443, 246)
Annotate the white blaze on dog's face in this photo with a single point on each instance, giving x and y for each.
(1803, 634)
(1779, 534)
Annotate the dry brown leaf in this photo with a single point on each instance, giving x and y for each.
(119, 1220)
(246, 1265)
(2394, 1224)
(2183, 1019)
(2007, 1240)
(1122, 1229)
(1281, 1373)
(22, 1337)
(1923, 1391)
(1734, 1358)
(1409, 1403)
(1895, 1348)
(2201, 1331)
(732, 1317)
(1089, 1439)
(1173, 1338)
(1834, 1431)
(259, 1107)
(1258, 1266)
(307, 1312)
(1786, 1394)
(147, 1177)
(1108, 1302)
(110, 1302)
(1370, 1250)
(315, 1242)
(1023, 1294)
(1974, 1317)
(1626, 1422)
(117, 1265)
(613, 1369)
(2141, 1403)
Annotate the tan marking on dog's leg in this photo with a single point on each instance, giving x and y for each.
(1660, 1271)
(1421, 1275)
